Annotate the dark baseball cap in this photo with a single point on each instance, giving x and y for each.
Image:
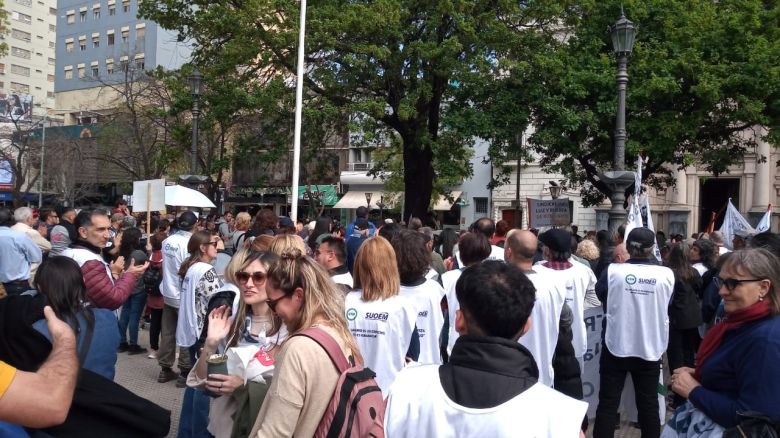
(285, 221)
(641, 238)
(557, 239)
(361, 224)
(187, 220)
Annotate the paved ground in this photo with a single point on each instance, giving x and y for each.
(139, 374)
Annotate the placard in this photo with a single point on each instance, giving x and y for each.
(548, 212)
(149, 195)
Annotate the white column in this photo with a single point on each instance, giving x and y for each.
(762, 183)
(680, 197)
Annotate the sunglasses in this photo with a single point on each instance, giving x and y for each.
(258, 277)
(272, 303)
(215, 243)
(732, 283)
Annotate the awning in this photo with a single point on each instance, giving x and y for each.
(324, 193)
(354, 199)
(443, 204)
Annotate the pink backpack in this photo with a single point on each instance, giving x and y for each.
(357, 408)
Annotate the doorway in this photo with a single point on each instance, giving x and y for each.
(714, 193)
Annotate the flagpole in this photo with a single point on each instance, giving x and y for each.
(296, 171)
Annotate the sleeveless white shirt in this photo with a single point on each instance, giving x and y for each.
(637, 310)
(449, 279)
(542, 337)
(383, 330)
(174, 252)
(418, 407)
(81, 256)
(194, 302)
(430, 320)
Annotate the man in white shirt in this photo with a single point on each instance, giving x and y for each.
(636, 296)
(489, 387)
(331, 254)
(487, 227)
(24, 222)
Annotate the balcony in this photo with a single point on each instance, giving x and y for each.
(359, 167)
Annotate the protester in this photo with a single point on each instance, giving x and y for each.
(199, 281)
(499, 236)
(254, 329)
(474, 248)
(131, 248)
(588, 250)
(261, 243)
(266, 222)
(108, 286)
(238, 237)
(48, 217)
(487, 227)
(436, 267)
(382, 321)
(360, 213)
(636, 297)
(284, 242)
(720, 241)
(472, 396)
(224, 227)
(621, 254)
(154, 299)
(389, 231)
(60, 280)
(413, 259)
(704, 256)
(359, 235)
(332, 255)
(321, 229)
(24, 222)
(606, 246)
(302, 294)
(121, 207)
(737, 361)
(17, 255)
(684, 311)
(22, 393)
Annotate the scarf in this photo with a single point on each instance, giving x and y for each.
(737, 319)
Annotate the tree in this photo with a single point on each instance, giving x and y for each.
(70, 166)
(702, 74)
(392, 66)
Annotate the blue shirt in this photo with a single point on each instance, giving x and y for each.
(351, 228)
(17, 252)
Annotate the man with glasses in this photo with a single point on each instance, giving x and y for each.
(332, 255)
(635, 296)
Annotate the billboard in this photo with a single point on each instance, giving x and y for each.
(16, 107)
(6, 175)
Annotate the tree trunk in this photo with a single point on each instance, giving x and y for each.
(418, 179)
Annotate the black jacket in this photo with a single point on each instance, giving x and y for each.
(685, 306)
(484, 372)
(568, 377)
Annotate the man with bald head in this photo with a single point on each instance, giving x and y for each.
(621, 253)
(550, 337)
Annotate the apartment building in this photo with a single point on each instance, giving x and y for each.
(97, 42)
(27, 71)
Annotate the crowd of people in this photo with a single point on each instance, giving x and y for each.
(276, 328)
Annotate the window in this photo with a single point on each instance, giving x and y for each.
(68, 73)
(123, 63)
(140, 33)
(71, 17)
(69, 46)
(2, 68)
(52, 28)
(20, 70)
(125, 34)
(111, 39)
(51, 46)
(82, 72)
(110, 67)
(22, 18)
(50, 94)
(83, 16)
(125, 6)
(82, 45)
(139, 64)
(95, 72)
(95, 42)
(481, 206)
(20, 53)
(52, 61)
(50, 78)
(24, 2)
(111, 10)
(21, 35)
(96, 13)
(20, 88)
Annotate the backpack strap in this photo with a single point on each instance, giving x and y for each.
(328, 344)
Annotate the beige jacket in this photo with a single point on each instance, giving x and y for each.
(303, 385)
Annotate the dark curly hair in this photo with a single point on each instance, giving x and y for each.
(412, 256)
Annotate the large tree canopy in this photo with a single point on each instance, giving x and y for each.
(701, 74)
(392, 66)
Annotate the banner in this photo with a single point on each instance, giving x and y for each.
(734, 224)
(548, 212)
(634, 218)
(149, 195)
(765, 224)
(591, 379)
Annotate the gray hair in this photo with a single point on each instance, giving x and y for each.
(717, 237)
(639, 253)
(758, 263)
(22, 214)
(427, 232)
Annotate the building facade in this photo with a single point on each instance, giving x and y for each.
(27, 72)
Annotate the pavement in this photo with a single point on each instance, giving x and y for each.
(139, 374)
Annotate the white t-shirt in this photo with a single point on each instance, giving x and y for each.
(417, 406)
(430, 320)
(542, 337)
(383, 330)
(449, 279)
(700, 268)
(637, 310)
(174, 252)
(200, 283)
(345, 278)
(496, 253)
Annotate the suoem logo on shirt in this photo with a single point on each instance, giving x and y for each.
(632, 279)
(351, 314)
(423, 314)
(381, 316)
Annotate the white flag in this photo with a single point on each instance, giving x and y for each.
(634, 217)
(766, 222)
(734, 224)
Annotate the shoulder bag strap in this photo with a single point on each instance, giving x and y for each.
(328, 344)
(85, 343)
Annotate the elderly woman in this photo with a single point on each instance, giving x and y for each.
(588, 250)
(737, 361)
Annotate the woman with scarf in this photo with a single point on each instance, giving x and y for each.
(240, 394)
(737, 360)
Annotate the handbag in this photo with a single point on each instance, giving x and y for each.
(752, 425)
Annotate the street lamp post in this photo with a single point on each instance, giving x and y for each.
(381, 204)
(196, 79)
(623, 34)
(368, 200)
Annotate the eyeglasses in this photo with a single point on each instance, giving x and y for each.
(272, 303)
(732, 283)
(318, 252)
(258, 277)
(215, 243)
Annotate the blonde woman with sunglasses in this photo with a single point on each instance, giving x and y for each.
(240, 393)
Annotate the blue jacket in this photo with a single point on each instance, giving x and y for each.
(742, 374)
(351, 228)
